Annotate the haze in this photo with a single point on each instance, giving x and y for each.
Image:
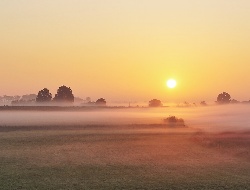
(126, 50)
(88, 104)
(209, 119)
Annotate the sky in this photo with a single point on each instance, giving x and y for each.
(125, 50)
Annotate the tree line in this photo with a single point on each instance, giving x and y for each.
(64, 95)
(222, 98)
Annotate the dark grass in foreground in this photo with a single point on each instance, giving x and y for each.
(97, 157)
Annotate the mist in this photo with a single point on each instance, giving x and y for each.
(208, 118)
(125, 148)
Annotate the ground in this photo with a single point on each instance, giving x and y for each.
(122, 157)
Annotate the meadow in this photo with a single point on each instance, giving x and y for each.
(125, 149)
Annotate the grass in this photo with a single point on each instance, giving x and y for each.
(96, 157)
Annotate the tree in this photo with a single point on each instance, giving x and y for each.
(44, 96)
(224, 98)
(101, 102)
(64, 94)
(154, 103)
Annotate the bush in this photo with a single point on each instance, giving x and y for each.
(155, 103)
(174, 121)
(101, 102)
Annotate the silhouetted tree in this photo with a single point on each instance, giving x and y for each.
(224, 98)
(101, 102)
(154, 103)
(64, 94)
(44, 96)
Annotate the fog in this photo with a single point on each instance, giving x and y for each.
(104, 149)
(209, 118)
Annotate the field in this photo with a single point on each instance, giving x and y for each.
(129, 155)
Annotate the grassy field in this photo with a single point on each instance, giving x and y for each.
(122, 157)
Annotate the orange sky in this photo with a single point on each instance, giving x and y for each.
(126, 49)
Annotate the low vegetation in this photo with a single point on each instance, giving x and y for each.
(80, 157)
(174, 121)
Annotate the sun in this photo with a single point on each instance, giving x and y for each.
(171, 83)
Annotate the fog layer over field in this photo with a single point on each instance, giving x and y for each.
(104, 149)
(209, 118)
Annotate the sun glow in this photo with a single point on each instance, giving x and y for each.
(171, 83)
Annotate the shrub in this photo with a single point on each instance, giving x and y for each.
(155, 103)
(174, 121)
